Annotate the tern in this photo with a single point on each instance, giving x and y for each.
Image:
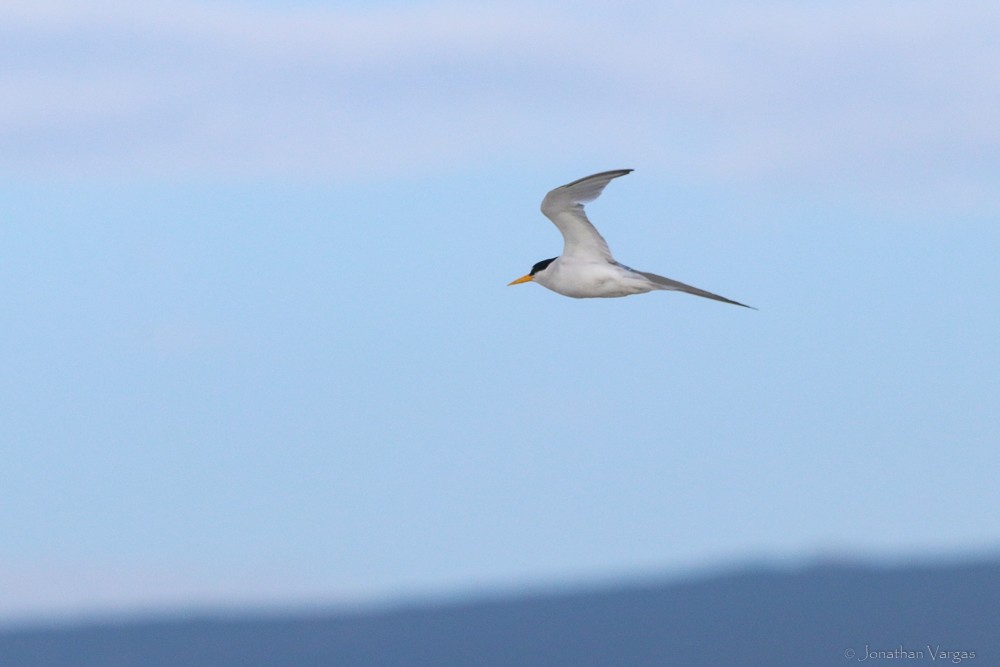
(586, 268)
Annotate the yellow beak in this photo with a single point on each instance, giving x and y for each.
(522, 279)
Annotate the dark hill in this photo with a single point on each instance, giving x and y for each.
(771, 618)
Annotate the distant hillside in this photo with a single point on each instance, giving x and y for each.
(803, 618)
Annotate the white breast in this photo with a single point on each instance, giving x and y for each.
(591, 279)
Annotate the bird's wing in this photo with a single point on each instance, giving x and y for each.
(564, 207)
(667, 283)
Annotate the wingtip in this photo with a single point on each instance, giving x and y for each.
(610, 174)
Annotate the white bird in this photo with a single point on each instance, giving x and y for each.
(586, 268)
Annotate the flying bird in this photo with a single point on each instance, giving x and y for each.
(586, 268)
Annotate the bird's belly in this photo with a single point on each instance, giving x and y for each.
(592, 280)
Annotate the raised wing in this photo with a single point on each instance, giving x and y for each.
(564, 207)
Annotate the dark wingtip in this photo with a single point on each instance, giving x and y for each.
(616, 172)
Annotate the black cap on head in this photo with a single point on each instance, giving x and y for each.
(540, 266)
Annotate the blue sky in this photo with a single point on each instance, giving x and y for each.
(260, 348)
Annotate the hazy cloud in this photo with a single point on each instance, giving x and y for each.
(901, 92)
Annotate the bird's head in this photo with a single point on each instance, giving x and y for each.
(538, 267)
